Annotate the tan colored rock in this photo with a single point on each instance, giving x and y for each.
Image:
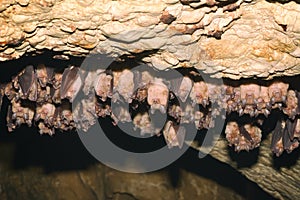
(232, 39)
(221, 38)
(277, 176)
(96, 181)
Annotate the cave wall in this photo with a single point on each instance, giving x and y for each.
(223, 38)
(233, 39)
(42, 167)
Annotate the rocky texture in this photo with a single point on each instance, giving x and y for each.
(223, 38)
(277, 176)
(60, 168)
(91, 184)
(139, 187)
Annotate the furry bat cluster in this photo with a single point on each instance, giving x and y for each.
(47, 97)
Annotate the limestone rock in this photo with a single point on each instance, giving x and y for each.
(232, 39)
(277, 176)
(68, 172)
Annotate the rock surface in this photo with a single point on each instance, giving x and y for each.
(60, 168)
(232, 39)
(277, 176)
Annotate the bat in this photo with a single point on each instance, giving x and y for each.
(104, 85)
(27, 81)
(71, 83)
(174, 135)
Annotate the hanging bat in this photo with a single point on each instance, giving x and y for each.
(158, 96)
(27, 81)
(104, 85)
(174, 134)
(44, 74)
(71, 83)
